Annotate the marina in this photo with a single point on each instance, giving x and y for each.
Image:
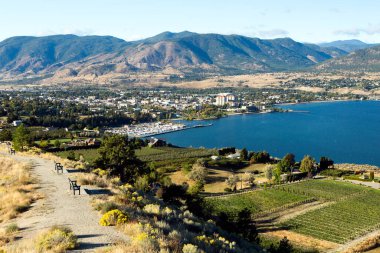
(152, 129)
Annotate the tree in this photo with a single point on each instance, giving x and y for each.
(269, 172)
(288, 162)
(117, 155)
(325, 163)
(244, 154)
(5, 135)
(277, 173)
(245, 226)
(57, 143)
(21, 138)
(260, 157)
(307, 164)
(198, 171)
(285, 246)
(231, 181)
(371, 175)
(248, 178)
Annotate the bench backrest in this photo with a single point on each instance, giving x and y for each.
(73, 182)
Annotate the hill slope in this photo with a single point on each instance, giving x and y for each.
(361, 60)
(71, 55)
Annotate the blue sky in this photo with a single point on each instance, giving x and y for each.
(306, 21)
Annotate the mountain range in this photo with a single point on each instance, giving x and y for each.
(347, 45)
(185, 52)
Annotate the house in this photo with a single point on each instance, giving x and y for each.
(16, 123)
(92, 142)
(234, 156)
(154, 142)
(215, 158)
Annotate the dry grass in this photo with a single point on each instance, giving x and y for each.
(92, 179)
(17, 188)
(216, 179)
(303, 241)
(372, 243)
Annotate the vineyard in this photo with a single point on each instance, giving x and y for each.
(257, 201)
(353, 210)
(342, 221)
(147, 154)
(168, 153)
(326, 190)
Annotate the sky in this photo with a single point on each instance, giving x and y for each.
(303, 20)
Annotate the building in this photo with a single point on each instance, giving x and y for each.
(225, 98)
(16, 123)
(154, 142)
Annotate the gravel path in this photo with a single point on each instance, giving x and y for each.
(61, 207)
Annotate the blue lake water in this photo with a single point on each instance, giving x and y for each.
(344, 131)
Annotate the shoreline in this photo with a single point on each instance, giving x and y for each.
(326, 101)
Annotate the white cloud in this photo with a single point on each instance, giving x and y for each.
(79, 32)
(370, 30)
(274, 33)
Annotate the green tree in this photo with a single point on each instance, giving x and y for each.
(307, 164)
(57, 143)
(5, 135)
(245, 226)
(21, 138)
(244, 154)
(285, 246)
(269, 172)
(325, 163)
(277, 173)
(288, 162)
(117, 155)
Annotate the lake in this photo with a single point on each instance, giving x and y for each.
(347, 132)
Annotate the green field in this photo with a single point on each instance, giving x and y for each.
(148, 154)
(323, 189)
(342, 221)
(170, 153)
(257, 201)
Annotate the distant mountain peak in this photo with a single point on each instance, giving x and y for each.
(347, 45)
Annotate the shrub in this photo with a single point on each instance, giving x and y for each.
(142, 183)
(227, 189)
(100, 172)
(106, 207)
(11, 228)
(152, 209)
(190, 248)
(56, 239)
(372, 175)
(113, 218)
(71, 155)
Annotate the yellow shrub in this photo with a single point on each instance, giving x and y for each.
(57, 239)
(100, 172)
(152, 209)
(113, 218)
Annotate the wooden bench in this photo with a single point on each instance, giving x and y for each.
(12, 151)
(59, 168)
(56, 165)
(74, 186)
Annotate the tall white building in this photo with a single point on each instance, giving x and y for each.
(225, 98)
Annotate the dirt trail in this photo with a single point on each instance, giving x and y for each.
(61, 207)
